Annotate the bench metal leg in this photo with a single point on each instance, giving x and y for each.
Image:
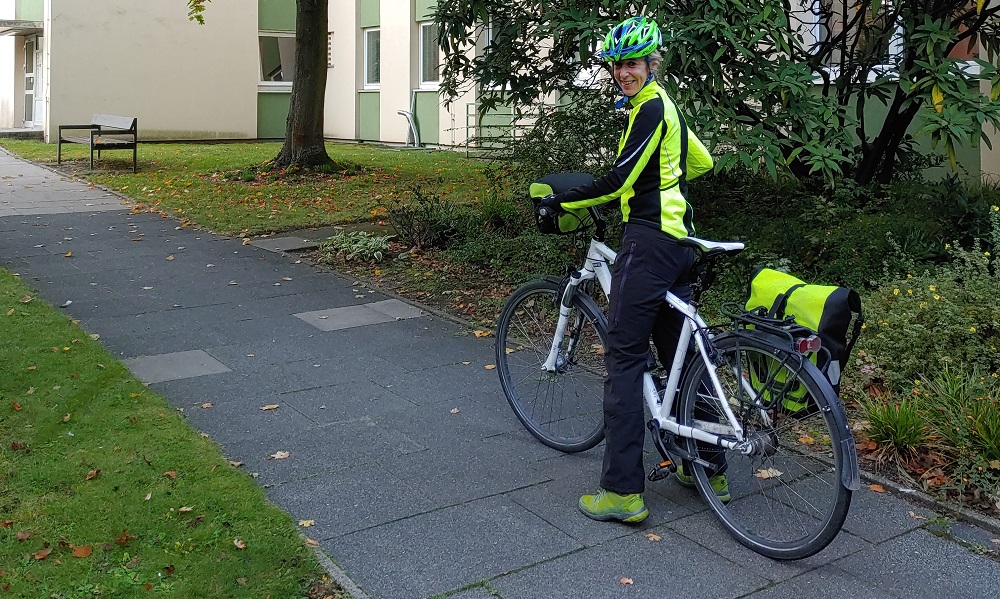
(91, 157)
(135, 153)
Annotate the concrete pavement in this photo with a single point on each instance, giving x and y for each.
(421, 481)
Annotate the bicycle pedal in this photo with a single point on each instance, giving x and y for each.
(661, 471)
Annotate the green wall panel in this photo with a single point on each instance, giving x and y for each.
(276, 15)
(272, 111)
(29, 10)
(368, 116)
(424, 8)
(369, 16)
(428, 117)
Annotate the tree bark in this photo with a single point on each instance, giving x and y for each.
(304, 145)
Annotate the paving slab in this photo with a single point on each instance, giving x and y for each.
(669, 567)
(917, 564)
(174, 366)
(447, 549)
(822, 582)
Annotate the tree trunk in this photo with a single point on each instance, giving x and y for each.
(878, 157)
(304, 145)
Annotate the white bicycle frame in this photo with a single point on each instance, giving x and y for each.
(600, 257)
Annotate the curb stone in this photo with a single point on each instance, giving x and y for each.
(337, 574)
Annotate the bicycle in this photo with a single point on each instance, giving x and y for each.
(791, 473)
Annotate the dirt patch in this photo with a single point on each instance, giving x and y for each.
(472, 294)
(265, 174)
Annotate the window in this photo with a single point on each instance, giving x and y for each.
(430, 55)
(277, 57)
(373, 58)
(871, 37)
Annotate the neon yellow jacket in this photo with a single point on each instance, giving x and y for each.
(648, 175)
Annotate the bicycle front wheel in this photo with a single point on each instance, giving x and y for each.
(562, 408)
(786, 483)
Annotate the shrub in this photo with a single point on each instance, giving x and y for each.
(355, 245)
(427, 220)
(947, 315)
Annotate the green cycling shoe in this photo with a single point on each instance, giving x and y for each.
(719, 482)
(606, 505)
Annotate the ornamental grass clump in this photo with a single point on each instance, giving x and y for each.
(964, 411)
(899, 427)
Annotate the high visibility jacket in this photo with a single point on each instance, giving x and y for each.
(651, 172)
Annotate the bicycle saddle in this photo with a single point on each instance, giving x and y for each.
(729, 248)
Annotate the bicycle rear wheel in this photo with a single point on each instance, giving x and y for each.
(788, 490)
(562, 409)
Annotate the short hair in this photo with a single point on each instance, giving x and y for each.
(655, 60)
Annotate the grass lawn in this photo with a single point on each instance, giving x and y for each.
(184, 180)
(105, 490)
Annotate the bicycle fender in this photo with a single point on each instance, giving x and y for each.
(602, 319)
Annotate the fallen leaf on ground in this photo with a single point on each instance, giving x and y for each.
(17, 407)
(170, 257)
(69, 254)
(270, 406)
(207, 405)
(124, 538)
(806, 440)
(916, 516)
(6, 524)
(466, 363)
(10, 312)
(83, 550)
(995, 464)
(169, 570)
(170, 473)
(766, 473)
(481, 333)
(653, 537)
(149, 496)
(306, 523)
(278, 455)
(195, 521)
(454, 410)
(235, 464)
(241, 580)
(240, 543)
(42, 554)
(185, 508)
(22, 535)
(312, 542)
(93, 474)
(625, 581)
(877, 488)
(490, 366)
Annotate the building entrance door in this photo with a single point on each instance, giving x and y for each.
(38, 116)
(29, 81)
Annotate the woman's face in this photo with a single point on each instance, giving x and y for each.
(631, 74)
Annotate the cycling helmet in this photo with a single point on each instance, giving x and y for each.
(633, 38)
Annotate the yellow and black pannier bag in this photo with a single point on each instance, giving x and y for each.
(833, 312)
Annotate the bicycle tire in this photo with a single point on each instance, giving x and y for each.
(790, 495)
(563, 409)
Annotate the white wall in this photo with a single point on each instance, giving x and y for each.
(8, 69)
(342, 81)
(143, 58)
(398, 75)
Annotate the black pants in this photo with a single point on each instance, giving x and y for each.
(650, 264)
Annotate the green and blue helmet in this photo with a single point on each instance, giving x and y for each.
(634, 37)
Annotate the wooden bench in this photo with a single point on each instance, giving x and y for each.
(107, 132)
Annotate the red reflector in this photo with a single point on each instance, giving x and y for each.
(808, 345)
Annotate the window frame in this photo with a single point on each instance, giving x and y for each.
(434, 84)
(272, 86)
(365, 81)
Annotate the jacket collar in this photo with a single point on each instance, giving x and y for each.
(648, 91)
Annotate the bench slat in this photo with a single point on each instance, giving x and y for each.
(118, 122)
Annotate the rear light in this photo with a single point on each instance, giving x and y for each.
(808, 345)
